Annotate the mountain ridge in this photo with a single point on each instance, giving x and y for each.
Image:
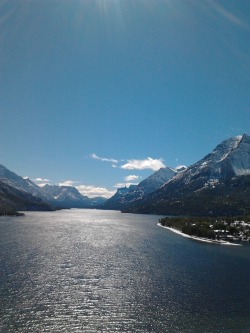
(69, 197)
(18, 193)
(125, 196)
(201, 182)
(13, 199)
(218, 183)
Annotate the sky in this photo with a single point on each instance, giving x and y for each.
(99, 94)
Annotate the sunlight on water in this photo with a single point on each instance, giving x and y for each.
(103, 271)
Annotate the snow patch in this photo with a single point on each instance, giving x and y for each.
(234, 144)
(212, 182)
(200, 239)
(241, 171)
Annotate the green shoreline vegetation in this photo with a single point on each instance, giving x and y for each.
(211, 228)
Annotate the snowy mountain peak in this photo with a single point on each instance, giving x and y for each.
(21, 183)
(229, 159)
(156, 180)
(219, 184)
(223, 150)
(125, 196)
(233, 153)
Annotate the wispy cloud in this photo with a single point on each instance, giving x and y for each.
(95, 191)
(103, 159)
(149, 163)
(68, 183)
(132, 164)
(41, 181)
(131, 178)
(232, 18)
(127, 184)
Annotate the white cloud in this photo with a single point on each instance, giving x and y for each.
(131, 178)
(68, 183)
(149, 163)
(93, 191)
(180, 167)
(42, 184)
(88, 190)
(103, 159)
(41, 180)
(119, 185)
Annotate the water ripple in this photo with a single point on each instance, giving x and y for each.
(92, 271)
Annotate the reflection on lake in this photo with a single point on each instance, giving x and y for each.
(103, 271)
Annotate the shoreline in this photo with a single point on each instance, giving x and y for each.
(200, 239)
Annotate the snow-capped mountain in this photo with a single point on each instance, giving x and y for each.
(24, 184)
(70, 197)
(118, 200)
(23, 194)
(66, 196)
(17, 193)
(218, 184)
(212, 178)
(156, 180)
(125, 196)
(13, 199)
(230, 158)
(12, 179)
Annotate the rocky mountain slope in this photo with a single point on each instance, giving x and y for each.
(24, 184)
(125, 196)
(68, 197)
(17, 193)
(216, 185)
(13, 199)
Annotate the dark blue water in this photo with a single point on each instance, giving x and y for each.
(103, 271)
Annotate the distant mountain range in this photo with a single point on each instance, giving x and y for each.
(217, 185)
(13, 199)
(69, 197)
(17, 193)
(125, 196)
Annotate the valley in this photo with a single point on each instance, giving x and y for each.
(217, 185)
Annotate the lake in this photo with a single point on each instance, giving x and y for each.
(104, 271)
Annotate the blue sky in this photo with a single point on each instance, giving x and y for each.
(98, 93)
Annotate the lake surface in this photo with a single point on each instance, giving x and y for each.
(103, 271)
